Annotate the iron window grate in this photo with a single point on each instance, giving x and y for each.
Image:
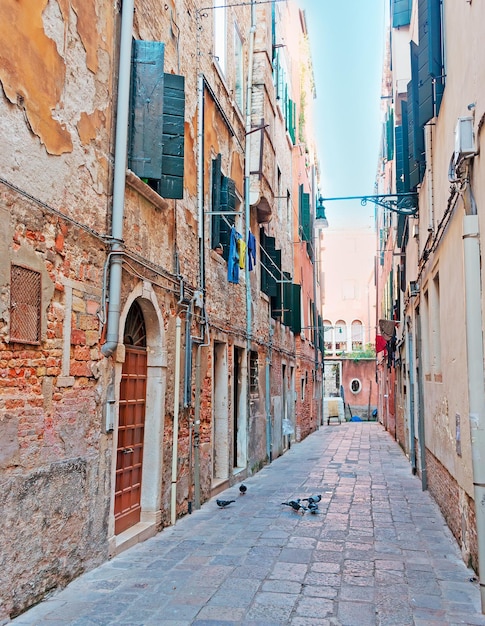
(25, 305)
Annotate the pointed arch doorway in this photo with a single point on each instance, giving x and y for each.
(131, 425)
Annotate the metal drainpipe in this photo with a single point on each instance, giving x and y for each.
(122, 109)
(247, 208)
(476, 389)
(176, 403)
(197, 423)
(247, 170)
(412, 436)
(269, 430)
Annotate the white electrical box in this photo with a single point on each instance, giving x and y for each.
(464, 138)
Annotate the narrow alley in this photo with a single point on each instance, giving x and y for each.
(376, 552)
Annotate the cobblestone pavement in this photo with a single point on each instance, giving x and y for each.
(377, 552)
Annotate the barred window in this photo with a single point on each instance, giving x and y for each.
(253, 373)
(25, 305)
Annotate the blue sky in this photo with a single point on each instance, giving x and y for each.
(347, 43)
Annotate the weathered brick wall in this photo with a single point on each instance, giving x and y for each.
(55, 465)
(457, 507)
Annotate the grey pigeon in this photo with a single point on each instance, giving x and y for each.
(313, 499)
(242, 489)
(295, 505)
(313, 507)
(223, 503)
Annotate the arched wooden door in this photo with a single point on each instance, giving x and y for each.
(131, 425)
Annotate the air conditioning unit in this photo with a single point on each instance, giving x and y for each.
(464, 139)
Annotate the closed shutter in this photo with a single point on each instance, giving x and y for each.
(146, 115)
(216, 201)
(172, 177)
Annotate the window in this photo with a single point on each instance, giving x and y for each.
(355, 385)
(328, 335)
(357, 335)
(223, 205)
(253, 373)
(239, 68)
(220, 36)
(156, 121)
(25, 305)
(340, 336)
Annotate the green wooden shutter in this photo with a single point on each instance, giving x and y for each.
(390, 135)
(228, 198)
(304, 214)
(401, 12)
(296, 309)
(216, 201)
(146, 110)
(431, 79)
(425, 83)
(402, 152)
(415, 131)
(435, 47)
(172, 180)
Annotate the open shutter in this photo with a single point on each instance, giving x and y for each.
(401, 12)
(425, 83)
(435, 47)
(146, 114)
(415, 131)
(277, 298)
(172, 177)
(296, 310)
(305, 220)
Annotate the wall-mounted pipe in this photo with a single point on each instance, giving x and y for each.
(121, 143)
(176, 404)
(476, 386)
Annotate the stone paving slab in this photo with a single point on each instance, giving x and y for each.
(377, 553)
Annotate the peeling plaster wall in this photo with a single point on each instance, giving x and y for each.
(56, 72)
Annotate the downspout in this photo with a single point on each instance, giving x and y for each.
(421, 428)
(247, 170)
(197, 422)
(176, 394)
(475, 367)
(247, 207)
(269, 429)
(412, 435)
(121, 143)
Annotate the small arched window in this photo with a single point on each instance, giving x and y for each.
(357, 335)
(340, 336)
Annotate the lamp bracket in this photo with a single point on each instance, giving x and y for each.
(401, 203)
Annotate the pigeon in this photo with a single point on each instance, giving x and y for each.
(295, 504)
(243, 489)
(313, 508)
(313, 499)
(223, 503)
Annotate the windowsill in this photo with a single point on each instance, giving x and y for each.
(133, 181)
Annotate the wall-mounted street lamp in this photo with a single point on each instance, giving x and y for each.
(320, 217)
(401, 203)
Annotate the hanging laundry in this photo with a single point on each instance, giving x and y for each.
(233, 260)
(241, 248)
(251, 251)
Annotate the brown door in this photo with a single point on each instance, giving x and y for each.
(131, 428)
